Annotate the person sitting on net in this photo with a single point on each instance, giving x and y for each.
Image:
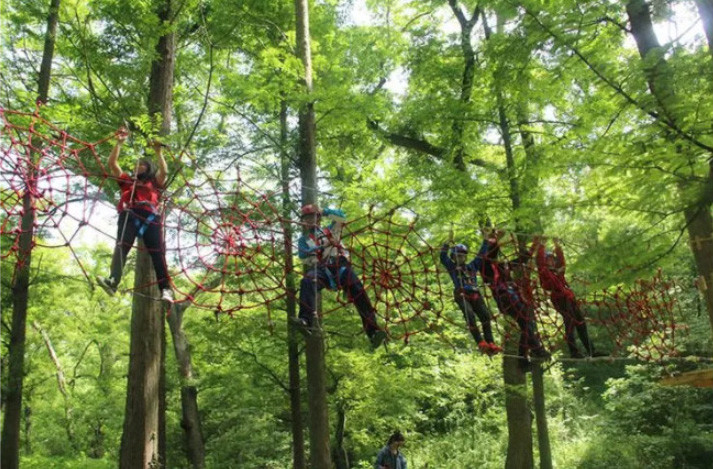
(326, 265)
(467, 295)
(551, 270)
(139, 216)
(389, 456)
(496, 274)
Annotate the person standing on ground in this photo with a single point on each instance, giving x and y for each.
(390, 456)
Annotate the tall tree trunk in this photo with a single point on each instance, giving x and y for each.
(190, 420)
(466, 31)
(314, 347)
(341, 457)
(519, 455)
(293, 353)
(538, 396)
(10, 444)
(697, 212)
(143, 440)
(28, 426)
(532, 194)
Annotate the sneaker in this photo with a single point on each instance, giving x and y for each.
(484, 347)
(377, 338)
(167, 295)
(494, 349)
(301, 324)
(107, 284)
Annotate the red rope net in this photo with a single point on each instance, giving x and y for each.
(225, 249)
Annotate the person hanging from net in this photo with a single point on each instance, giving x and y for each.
(326, 265)
(496, 273)
(467, 295)
(139, 216)
(551, 269)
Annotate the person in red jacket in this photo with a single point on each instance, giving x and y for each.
(551, 270)
(496, 273)
(139, 216)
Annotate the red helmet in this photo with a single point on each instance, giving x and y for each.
(310, 209)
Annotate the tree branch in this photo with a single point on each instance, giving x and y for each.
(423, 146)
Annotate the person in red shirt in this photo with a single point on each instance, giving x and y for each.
(496, 272)
(551, 269)
(139, 216)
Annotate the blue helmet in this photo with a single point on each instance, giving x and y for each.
(459, 249)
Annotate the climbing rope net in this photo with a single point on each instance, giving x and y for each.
(226, 244)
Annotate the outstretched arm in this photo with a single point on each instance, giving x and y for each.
(445, 260)
(113, 162)
(162, 171)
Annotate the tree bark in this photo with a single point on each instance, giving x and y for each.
(314, 347)
(293, 353)
(143, 438)
(341, 457)
(538, 395)
(519, 417)
(659, 76)
(190, 420)
(10, 444)
(466, 30)
(139, 441)
(48, 53)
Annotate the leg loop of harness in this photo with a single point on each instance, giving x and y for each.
(142, 225)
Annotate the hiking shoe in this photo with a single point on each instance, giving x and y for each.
(302, 325)
(484, 347)
(597, 353)
(167, 295)
(107, 284)
(377, 338)
(494, 349)
(575, 353)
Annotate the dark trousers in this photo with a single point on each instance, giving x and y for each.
(509, 302)
(472, 304)
(567, 306)
(337, 276)
(153, 241)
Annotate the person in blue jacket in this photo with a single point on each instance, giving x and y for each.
(496, 274)
(390, 456)
(326, 265)
(467, 295)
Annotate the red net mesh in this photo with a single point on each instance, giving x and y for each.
(225, 250)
